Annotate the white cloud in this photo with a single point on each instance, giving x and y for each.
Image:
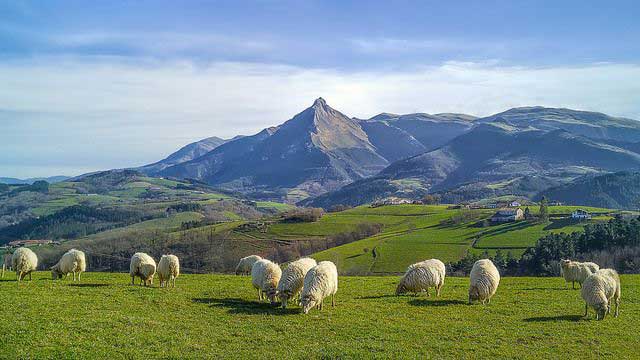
(111, 112)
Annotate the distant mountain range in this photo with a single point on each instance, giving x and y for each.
(322, 157)
(29, 181)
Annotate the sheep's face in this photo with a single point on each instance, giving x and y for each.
(564, 263)
(272, 295)
(473, 294)
(55, 274)
(601, 310)
(401, 289)
(307, 303)
(284, 297)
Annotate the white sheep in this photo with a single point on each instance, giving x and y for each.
(484, 280)
(168, 270)
(143, 266)
(420, 276)
(320, 282)
(6, 263)
(24, 261)
(265, 276)
(73, 261)
(574, 271)
(292, 279)
(598, 291)
(246, 264)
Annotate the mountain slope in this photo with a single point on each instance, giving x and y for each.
(29, 181)
(492, 155)
(619, 190)
(186, 153)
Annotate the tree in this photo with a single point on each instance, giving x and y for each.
(544, 210)
(431, 199)
(527, 214)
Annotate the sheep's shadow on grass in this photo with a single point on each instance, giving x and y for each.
(550, 289)
(377, 297)
(242, 306)
(570, 318)
(88, 285)
(436, 302)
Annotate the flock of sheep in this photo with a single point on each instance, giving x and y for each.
(310, 282)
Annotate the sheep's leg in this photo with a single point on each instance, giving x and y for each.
(617, 306)
(30, 277)
(18, 276)
(3, 268)
(74, 276)
(438, 290)
(133, 280)
(79, 275)
(586, 309)
(427, 291)
(333, 300)
(573, 285)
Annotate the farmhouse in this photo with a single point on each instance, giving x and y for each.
(507, 215)
(514, 204)
(29, 242)
(390, 201)
(580, 214)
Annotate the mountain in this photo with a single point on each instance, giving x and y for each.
(495, 158)
(620, 190)
(186, 153)
(593, 125)
(318, 150)
(29, 181)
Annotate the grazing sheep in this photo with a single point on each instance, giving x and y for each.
(24, 261)
(293, 278)
(484, 280)
(574, 271)
(73, 261)
(420, 276)
(246, 264)
(6, 263)
(168, 270)
(265, 276)
(320, 282)
(598, 290)
(143, 266)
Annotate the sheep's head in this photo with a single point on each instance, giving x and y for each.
(272, 295)
(602, 310)
(284, 295)
(565, 262)
(55, 273)
(473, 294)
(307, 302)
(401, 289)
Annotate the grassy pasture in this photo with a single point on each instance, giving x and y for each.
(218, 316)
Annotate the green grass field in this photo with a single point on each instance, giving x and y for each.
(218, 316)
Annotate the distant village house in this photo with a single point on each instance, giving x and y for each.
(580, 214)
(507, 215)
(29, 242)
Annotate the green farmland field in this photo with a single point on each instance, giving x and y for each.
(218, 316)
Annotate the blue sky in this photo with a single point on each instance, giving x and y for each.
(105, 84)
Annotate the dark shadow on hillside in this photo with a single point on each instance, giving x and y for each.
(519, 225)
(88, 285)
(354, 256)
(435, 302)
(241, 306)
(572, 318)
(377, 297)
(560, 223)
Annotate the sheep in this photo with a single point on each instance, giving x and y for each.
(598, 290)
(73, 261)
(574, 271)
(293, 278)
(320, 282)
(143, 266)
(6, 263)
(168, 270)
(24, 261)
(265, 276)
(420, 276)
(484, 280)
(246, 264)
